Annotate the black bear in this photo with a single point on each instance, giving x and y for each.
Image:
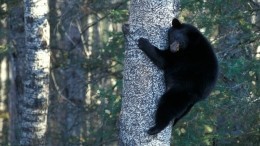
(190, 72)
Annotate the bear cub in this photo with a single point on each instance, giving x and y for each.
(190, 71)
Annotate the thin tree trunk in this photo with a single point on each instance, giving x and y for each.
(74, 75)
(54, 113)
(3, 81)
(35, 81)
(16, 57)
(3, 98)
(143, 83)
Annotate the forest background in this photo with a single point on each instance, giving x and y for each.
(87, 52)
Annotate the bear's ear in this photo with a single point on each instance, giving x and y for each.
(176, 23)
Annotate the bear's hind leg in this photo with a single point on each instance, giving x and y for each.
(172, 105)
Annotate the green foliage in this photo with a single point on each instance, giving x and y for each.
(119, 16)
(3, 50)
(107, 65)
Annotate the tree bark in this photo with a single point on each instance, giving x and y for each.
(75, 86)
(143, 82)
(16, 65)
(3, 98)
(35, 81)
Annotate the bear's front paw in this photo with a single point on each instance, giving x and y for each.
(143, 43)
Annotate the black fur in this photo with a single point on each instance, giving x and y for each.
(190, 71)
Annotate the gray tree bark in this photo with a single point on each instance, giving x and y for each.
(143, 82)
(16, 65)
(34, 84)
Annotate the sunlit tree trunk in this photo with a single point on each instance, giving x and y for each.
(3, 79)
(3, 98)
(143, 82)
(34, 84)
(255, 20)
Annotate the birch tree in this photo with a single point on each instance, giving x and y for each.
(143, 82)
(34, 84)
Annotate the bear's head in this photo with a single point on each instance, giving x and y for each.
(181, 36)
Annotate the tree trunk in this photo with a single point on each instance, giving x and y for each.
(3, 98)
(35, 81)
(143, 82)
(75, 87)
(16, 57)
(3, 79)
